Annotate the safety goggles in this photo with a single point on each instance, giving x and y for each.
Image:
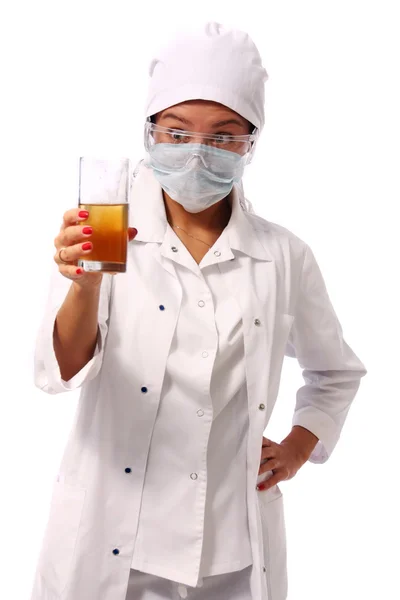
(239, 144)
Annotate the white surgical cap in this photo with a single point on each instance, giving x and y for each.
(211, 63)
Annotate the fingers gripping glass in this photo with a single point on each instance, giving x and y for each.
(239, 144)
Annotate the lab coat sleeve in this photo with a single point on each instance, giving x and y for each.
(47, 375)
(331, 370)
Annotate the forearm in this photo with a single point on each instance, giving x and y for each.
(75, 329)
(302, 441)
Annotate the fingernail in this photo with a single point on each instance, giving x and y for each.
(134, 231)
(87, 230)
(261, 487)
(83, 214)
(87, 246)
(79, 271)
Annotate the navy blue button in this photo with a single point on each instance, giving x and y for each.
(128, 470)
(144, 390)
(161, 307)
(116, 551)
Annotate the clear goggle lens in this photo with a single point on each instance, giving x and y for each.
(241, 144)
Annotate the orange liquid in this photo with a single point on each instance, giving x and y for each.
(110, 232)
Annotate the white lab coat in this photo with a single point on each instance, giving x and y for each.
(89, 538)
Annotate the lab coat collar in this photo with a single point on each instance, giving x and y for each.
(146, 208)
(240, 231)
(147, 214)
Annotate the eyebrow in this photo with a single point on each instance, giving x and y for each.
(228, 122)
(223, 123)
(171, 115)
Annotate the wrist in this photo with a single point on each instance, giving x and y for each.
(302, 441)
(87, 288)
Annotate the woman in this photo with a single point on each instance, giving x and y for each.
(167, 487)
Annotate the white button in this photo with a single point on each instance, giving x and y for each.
(257, 322)
(217, 253)
(193, 476)
(201, 303)
(174, 249)
(200, 412)
(205, 354)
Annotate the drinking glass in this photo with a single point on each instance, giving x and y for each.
(104, 193)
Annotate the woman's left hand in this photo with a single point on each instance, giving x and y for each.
(284, 460)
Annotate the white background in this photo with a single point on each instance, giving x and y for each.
(73, 80)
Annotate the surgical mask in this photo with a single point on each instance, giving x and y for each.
(195, 175)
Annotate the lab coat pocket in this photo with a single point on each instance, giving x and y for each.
(274, 542)
(60, 535)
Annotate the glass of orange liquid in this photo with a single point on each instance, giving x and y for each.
(104, 193)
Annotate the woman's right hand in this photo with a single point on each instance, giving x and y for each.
(73, 238)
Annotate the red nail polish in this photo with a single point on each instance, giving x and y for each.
(79, 271)
(87, 246)
(134, 231)
(83, 214)
(87, 230)
(261, 487)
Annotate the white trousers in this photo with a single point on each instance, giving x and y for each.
(229, 586)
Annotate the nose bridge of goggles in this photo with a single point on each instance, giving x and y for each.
(196, 156)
